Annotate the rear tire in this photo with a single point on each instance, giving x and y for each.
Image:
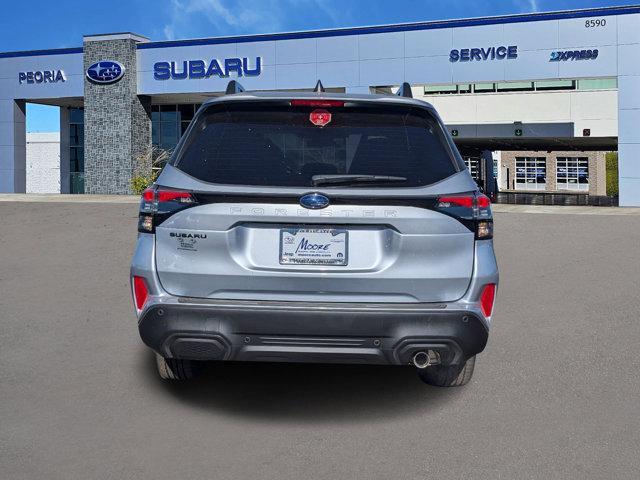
(448, 376)
(174, 369)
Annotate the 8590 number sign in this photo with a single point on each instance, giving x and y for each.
(594, 23)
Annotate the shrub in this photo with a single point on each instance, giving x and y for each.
(147, 167)
(612, 173)
(140, 182)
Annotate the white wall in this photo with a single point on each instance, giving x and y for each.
(597, 110)
(43, 162)
(389, 58)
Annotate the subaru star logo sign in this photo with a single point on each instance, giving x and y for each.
(314, 201)
(105, 71)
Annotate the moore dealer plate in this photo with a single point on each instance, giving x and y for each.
(313, 246)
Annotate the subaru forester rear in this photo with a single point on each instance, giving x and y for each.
(314, 227)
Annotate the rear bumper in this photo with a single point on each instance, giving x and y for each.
(310, 332)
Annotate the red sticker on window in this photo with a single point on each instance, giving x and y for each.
(320, 117)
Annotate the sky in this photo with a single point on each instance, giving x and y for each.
(37, 24)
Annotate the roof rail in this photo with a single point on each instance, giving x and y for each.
(405, 90)
(233, 87)
(319, 87)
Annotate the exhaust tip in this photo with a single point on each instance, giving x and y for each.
(421, 360)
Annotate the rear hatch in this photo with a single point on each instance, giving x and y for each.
(314, 201)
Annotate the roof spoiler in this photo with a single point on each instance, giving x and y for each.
(405, 91)
(233, 87)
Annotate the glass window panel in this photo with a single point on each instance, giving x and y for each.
(186, 112)
(166, 127)
(168, 113)
(514, 86)
(555, 85)
(80, 154)
(168, 135)
(240, 145)
(484, 87)
(597, 83)
(73, 135)
(155, 133)
(440, 89)
(76, 115)
(76, 181)
(76, 159)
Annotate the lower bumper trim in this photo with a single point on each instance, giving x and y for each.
(345, 334)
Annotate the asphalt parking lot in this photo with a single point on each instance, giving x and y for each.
(555, 394)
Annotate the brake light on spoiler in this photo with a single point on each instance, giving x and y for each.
(473, 210)
(317, 103)
(157, 204)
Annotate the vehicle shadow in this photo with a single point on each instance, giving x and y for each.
(304, 392)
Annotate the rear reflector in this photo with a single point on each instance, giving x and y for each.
(317, 103)
(486, 299)
(140, 292)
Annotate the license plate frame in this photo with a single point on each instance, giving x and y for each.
(336, 238)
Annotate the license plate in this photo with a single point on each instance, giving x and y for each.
(313, 246)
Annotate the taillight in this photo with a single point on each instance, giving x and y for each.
(465, 201)
(174, 196)
(487, 297)
(317, 103)
(473, 210)
(140, 292)
(158, 203)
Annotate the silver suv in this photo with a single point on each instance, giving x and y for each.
(316, 227)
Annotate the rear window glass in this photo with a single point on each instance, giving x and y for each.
(271, 145)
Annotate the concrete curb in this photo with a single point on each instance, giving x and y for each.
(565, 210)
(60, 198)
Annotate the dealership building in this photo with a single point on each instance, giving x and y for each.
(548, 94)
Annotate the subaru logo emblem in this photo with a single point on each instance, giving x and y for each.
(105, 71)
(314, 201)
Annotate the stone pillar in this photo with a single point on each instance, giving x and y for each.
(13, 144)
(117, 123)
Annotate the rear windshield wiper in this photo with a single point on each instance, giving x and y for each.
(352, 179)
